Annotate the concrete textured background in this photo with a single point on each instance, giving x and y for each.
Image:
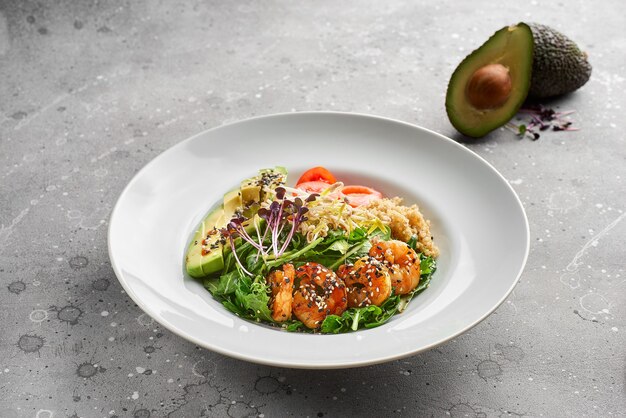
(91, 91)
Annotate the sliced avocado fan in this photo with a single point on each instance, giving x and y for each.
(490, 84)
(205, 253)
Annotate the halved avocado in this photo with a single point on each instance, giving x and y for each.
(489, 86)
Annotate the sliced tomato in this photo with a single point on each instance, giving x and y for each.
(317, 174)
(360, 195)
(313, 186)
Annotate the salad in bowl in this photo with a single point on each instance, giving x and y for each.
(318, 257)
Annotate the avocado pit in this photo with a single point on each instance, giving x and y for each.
(489, 87)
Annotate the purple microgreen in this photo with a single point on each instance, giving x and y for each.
(296, 219)
(537, 121)
(278, 218)
(282, 217)
(234, 250)
(541, 119)
(235, 228)
(274, 207)
(288, 239)
(246, 237)
(287, 204)
(263, 213)
(261, 251)
(280, 193)
(312, 197)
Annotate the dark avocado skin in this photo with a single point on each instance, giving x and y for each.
(559, 66)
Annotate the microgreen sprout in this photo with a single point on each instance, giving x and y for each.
(541, 119)
(282, 219)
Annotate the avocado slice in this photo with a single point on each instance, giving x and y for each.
(250, 196)
(559, 66)
(250, 192)
(271, 178)
(232, 204)
(489, 86)
(255, 189)
(205, 255)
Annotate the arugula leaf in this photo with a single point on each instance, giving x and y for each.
(254, 262)
(355, 252)
(253, 298)
(224, 285)
(293, 326)
(237, 310)
(384, 235)
(357, 235)
(412, 243)
(366, 317)
(334, 324)
(340, 246)
(294, 255)
(428, 265)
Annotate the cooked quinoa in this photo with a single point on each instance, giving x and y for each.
(405, 222)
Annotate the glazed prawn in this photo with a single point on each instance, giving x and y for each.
(401, 260)
(281, 283)
(367, 280)
(320, 293)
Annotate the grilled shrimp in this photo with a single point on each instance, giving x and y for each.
(367, 280)
(281, 283)
(321, 293)
(402, 261)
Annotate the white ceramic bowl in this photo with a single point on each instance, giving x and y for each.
(477, 220)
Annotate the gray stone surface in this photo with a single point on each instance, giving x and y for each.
(91, 91)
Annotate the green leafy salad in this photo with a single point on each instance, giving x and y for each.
(318, 257)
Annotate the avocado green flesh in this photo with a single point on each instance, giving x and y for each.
(272, 178)
(232, 203)
(250, 196)
(511, 47)
(199, 265)
(250, 192)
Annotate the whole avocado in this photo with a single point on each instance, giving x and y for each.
(526, 60)
(559, 66)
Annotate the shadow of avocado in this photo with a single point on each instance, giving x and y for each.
(464, 139)
(548, 102)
